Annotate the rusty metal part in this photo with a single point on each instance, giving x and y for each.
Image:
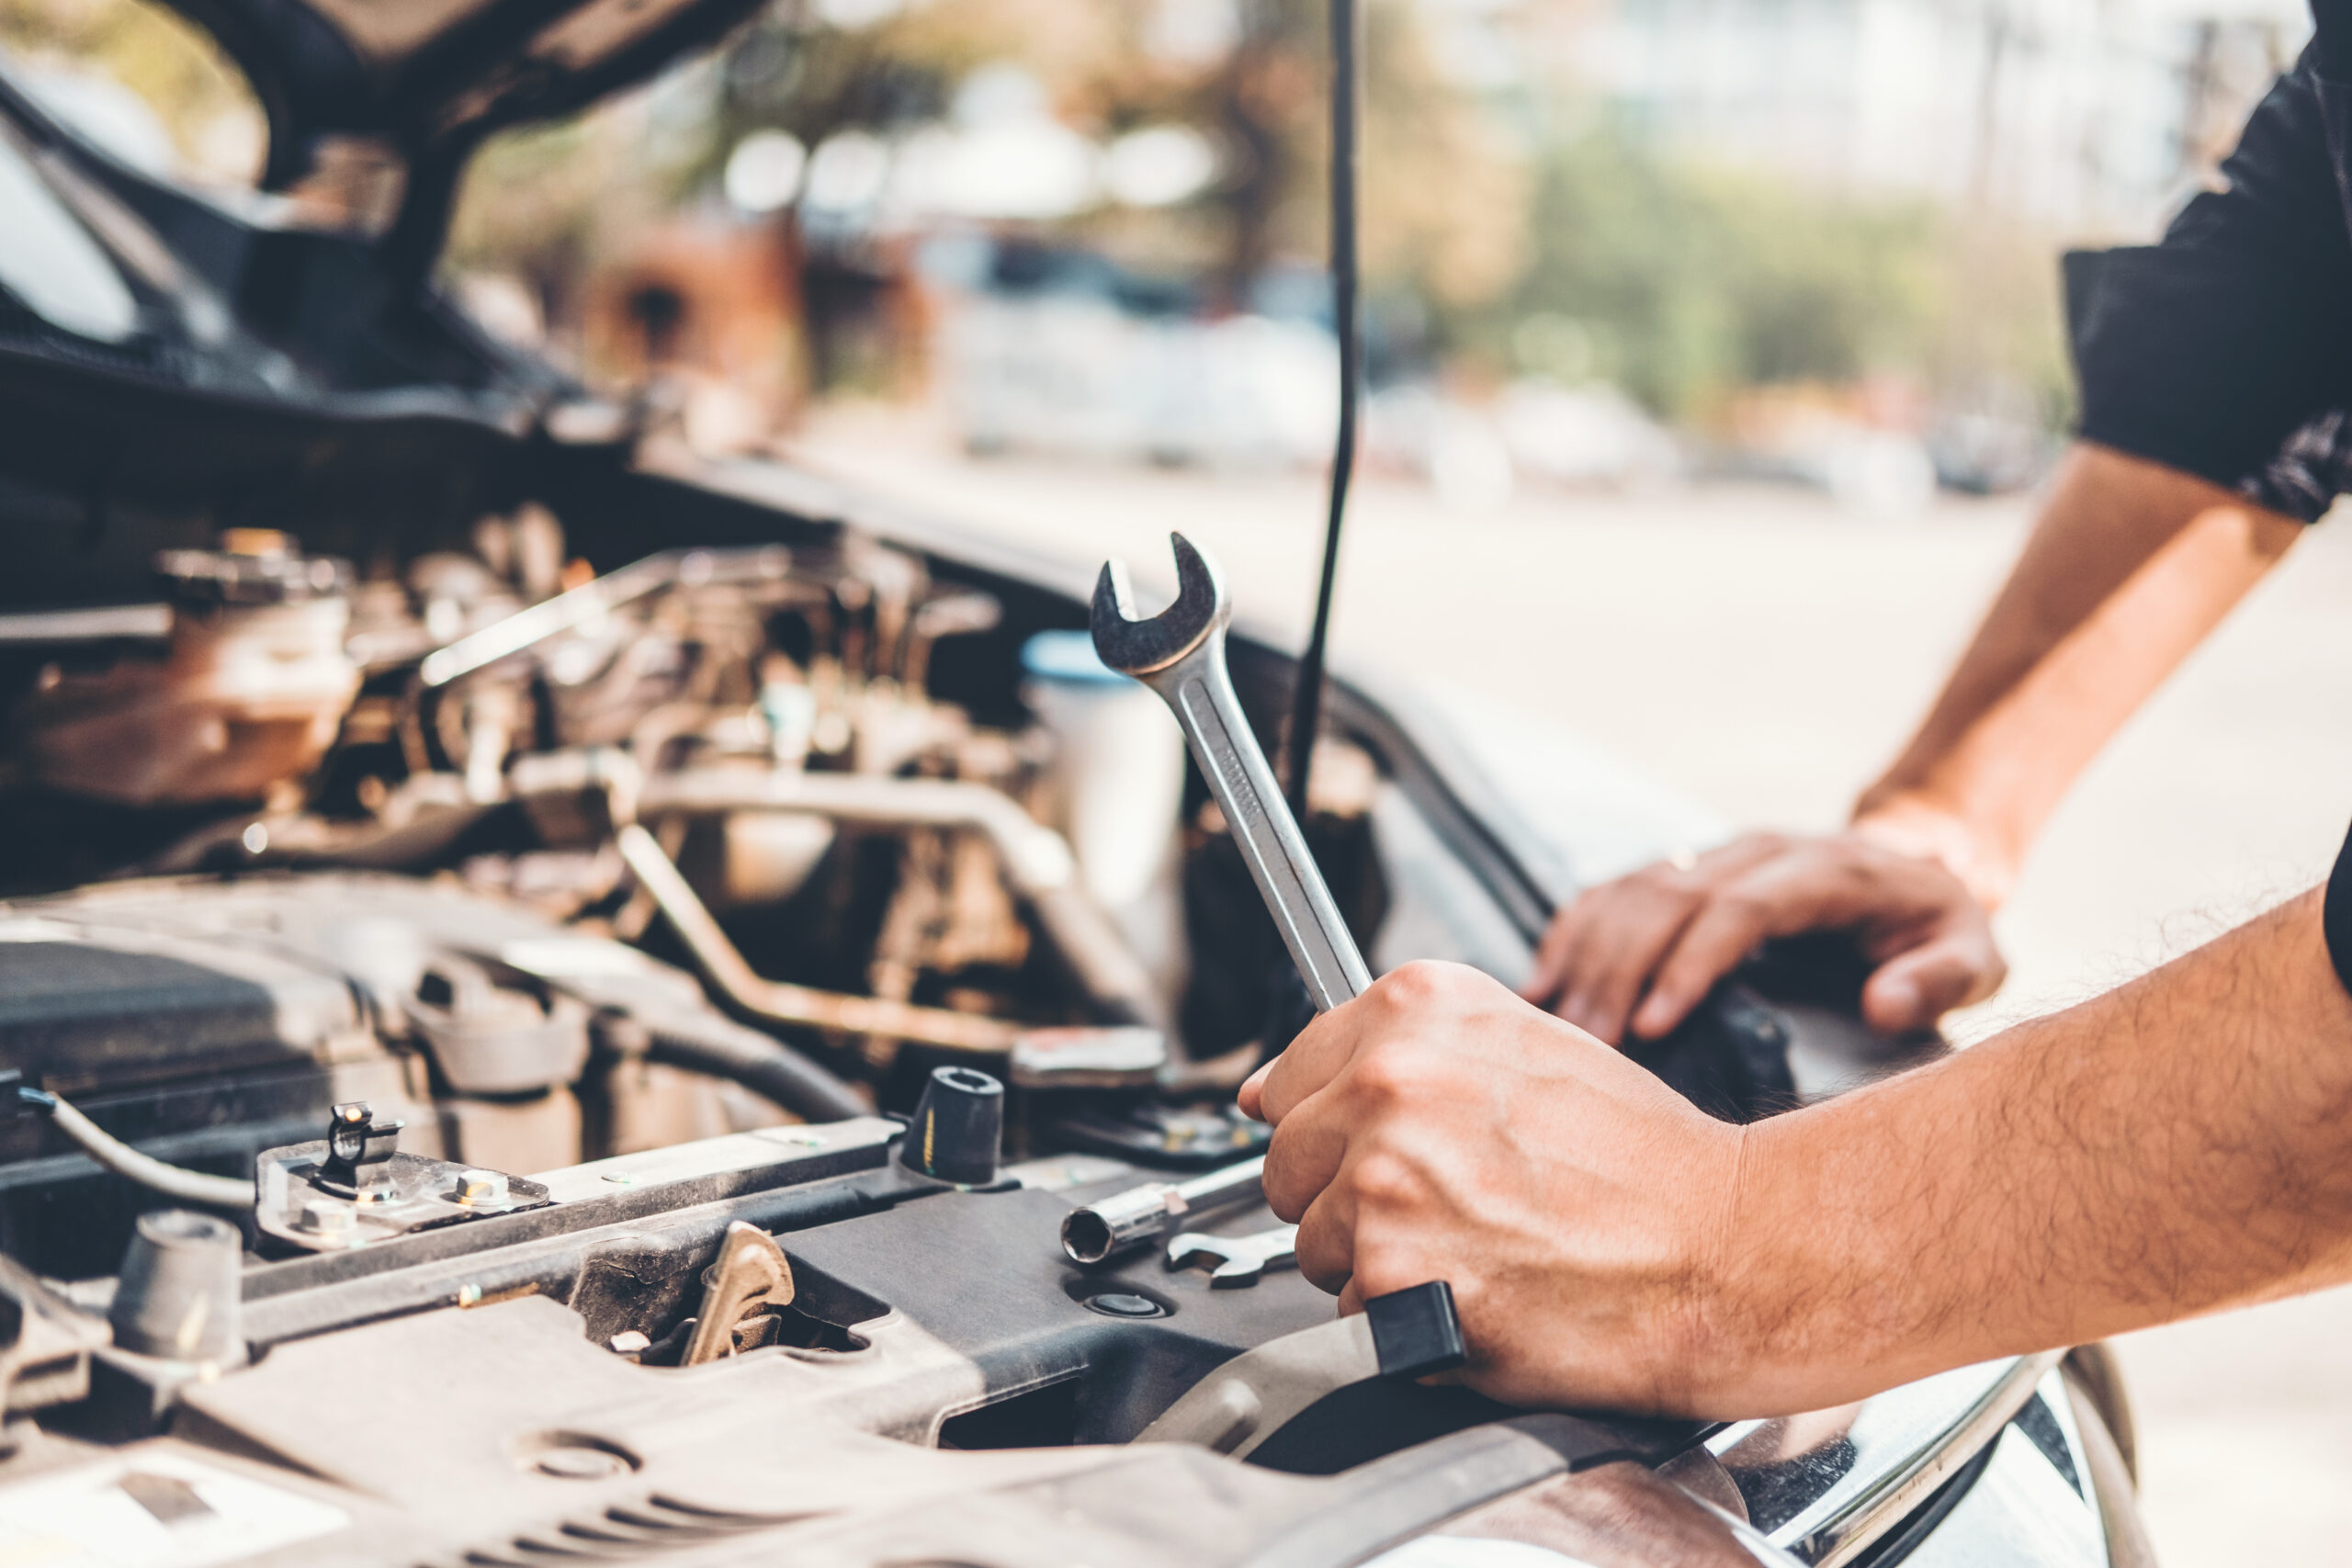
(777, 1001)
(247, 693)
(1035, 860)
(567, 612)
(752, 1273)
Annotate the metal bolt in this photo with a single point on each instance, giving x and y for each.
(325, 1217)
(481, 1187)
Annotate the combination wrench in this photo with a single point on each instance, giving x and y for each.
(1180, 654)
(1239, 1259)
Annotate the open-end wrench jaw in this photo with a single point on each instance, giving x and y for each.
(1136, 646)
(1238, 1261)
(1180, 654)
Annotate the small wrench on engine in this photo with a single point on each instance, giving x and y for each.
(1239, 1259)
(1179, 653)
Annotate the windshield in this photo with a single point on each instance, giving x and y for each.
(141, 82)
(51, 265)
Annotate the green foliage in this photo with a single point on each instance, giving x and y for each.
(531, 204)
(1685, 284)
(1597, 255)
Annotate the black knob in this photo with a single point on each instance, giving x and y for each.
(957, 1125)
(1416, 1332)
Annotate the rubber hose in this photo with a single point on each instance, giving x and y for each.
(768, 1069)
(171, 1181)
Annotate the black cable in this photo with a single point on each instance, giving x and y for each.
(1306, 698)
(765, 1067)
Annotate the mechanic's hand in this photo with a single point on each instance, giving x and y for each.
(1438, 1127)
(1638, 953)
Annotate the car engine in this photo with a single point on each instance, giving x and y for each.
(431, 988)
(730, 1058)
(550, 866)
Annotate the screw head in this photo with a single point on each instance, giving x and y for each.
(323, 1216)
(481, 1187)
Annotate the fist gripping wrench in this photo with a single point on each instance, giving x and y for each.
(1179, 653)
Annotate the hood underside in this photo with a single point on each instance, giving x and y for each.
(433, 76)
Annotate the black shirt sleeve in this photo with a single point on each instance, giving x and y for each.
(2226, 349)
(2336, 915)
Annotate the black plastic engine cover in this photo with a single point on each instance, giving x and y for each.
(75, 1016)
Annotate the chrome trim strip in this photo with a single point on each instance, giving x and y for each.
(1884, 1500)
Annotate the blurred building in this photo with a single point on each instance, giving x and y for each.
(2087, 117)
(710, 312)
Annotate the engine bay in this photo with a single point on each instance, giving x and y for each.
(552, 866)
(512, 1063)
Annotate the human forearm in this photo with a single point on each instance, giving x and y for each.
(2129, 566)
(2182, 1143)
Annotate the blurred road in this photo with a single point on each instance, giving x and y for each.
(1765, 653)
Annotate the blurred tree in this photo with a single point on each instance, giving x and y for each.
(541, 204)
(1680, 282)
(1684, 284)
(1445, 197)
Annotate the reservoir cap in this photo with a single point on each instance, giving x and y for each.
(956, 1129)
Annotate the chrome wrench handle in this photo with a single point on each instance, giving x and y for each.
(1180, 654)
(1200, 692)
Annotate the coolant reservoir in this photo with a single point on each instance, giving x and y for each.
(1115, 789)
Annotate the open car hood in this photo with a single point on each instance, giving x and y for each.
(433, 77)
